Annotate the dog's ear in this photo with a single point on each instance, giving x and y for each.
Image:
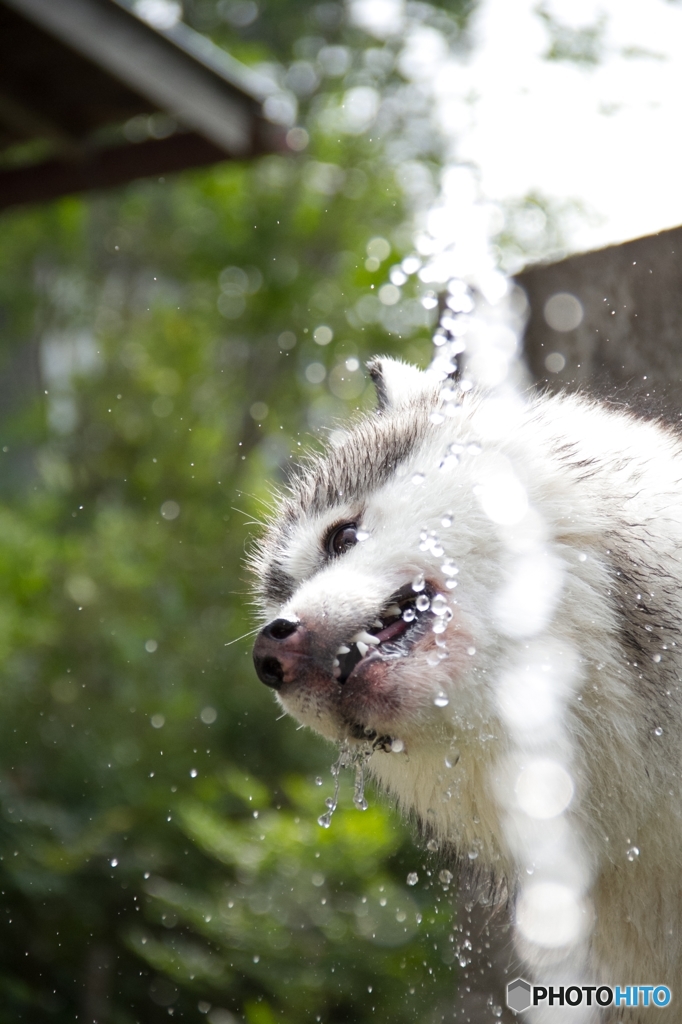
(397, 384)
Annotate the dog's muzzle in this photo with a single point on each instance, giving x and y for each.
(278, 651)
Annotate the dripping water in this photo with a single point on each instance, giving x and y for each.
(349, 757)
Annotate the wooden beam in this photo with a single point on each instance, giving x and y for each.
(29, 124)
(107, 168)
(171, 69)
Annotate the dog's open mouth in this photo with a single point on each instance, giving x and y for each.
(392, 634)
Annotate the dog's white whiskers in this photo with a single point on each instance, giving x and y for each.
(243, 636)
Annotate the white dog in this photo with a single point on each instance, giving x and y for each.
(397, 580)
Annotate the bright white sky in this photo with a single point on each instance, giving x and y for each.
(610, 136)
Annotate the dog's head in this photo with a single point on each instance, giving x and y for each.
(369, 633)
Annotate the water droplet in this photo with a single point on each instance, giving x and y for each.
(471, 651)
(474, 449)
(318, 781)
(397, 746)
(418, 478)
(657, 658)
(439, 626)
(472, 854)
(359, 792)
(114, 862)
(439, 605)
(418, 583)
(445, 876)
(437, 417)
(325, 820)
(432, 845)
(423, 603)
(409, 615)
(658, 731)
(633, 853)
(446, 521)
(193, 773)
(412, 878)
(441, 700)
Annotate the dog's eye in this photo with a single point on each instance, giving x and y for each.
(342, 538)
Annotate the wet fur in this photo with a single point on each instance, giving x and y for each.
(606, 486)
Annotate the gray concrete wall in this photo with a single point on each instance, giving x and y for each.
(628, 343)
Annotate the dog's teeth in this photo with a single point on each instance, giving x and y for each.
(363, 648)
(393, 609)
(336, 672)
(343, 649)
(366, 638)
(336, 663)
(378, 624)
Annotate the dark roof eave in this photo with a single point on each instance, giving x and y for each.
(177, 70)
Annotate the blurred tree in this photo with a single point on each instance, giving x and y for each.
(167, 349)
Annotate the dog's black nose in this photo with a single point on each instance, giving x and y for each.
(271, 652)
(269, 670)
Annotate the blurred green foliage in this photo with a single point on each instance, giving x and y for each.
(159, 847)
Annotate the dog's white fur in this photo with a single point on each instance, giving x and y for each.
(605, 490)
